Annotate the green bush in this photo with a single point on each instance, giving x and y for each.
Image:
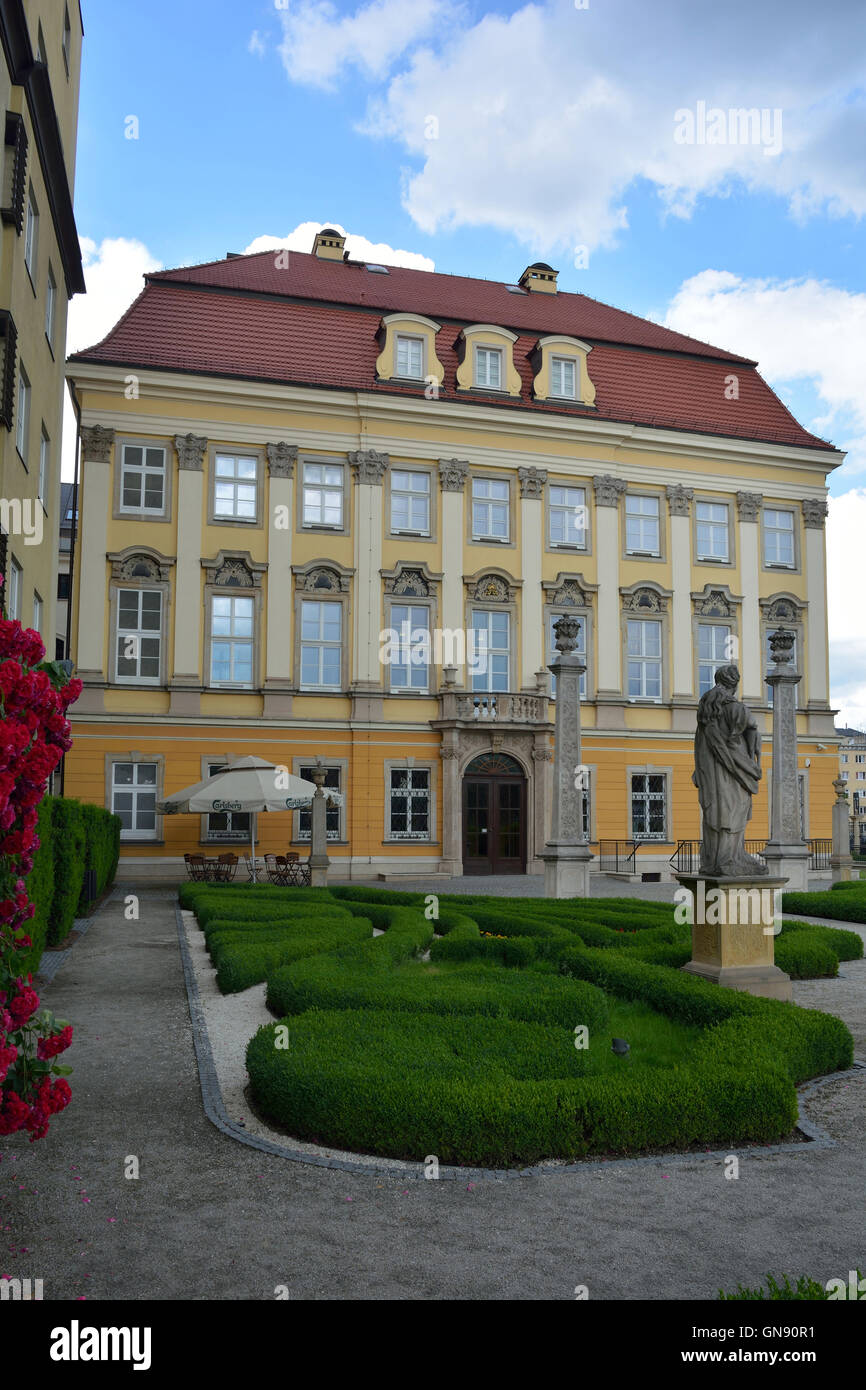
(102, 848)
(847, 907)
(245, 958)
(70, 848)
(40, 890)
(805, 1288)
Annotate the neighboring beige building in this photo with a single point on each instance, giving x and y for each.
(852, 769)
(40, 270)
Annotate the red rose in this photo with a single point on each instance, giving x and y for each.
(23, 1006)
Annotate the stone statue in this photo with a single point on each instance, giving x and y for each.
(727, 773)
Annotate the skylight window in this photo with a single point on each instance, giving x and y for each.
(515, 289)
(378, 269)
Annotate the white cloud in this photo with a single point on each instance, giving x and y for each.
(256, 45)
(319, 43)
(359, 248)
(846, 527)
(113, 270)
(549, 115)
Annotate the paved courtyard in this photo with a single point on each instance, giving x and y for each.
(209, 1218)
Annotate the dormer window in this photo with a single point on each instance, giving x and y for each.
(563, 377)
(410, 357)
(561, 370)
(488, 368)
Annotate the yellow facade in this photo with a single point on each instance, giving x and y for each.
(40, 268)
(368, 727)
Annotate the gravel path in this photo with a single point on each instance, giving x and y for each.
(208, 1218)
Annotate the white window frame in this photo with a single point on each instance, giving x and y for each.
(38, 612)
(139, 633)
(715, 526)
(50, 305)
(777, 531)
(16, 579)
(44, 463)
(569, 509)
(333, 781)
(320, 643)
(711, 664)
(645, 659)
(485, 503)
(646, 795)
(413, 342)
(22, 428)
(31, 234)
(482, 681)
(411, 793)
(231, 835)
(485, 354)
(560, 363)
(412, 493)
(235, 641)
(135, 788)
(326, 488)
(142, 470)
(235, 482)
(643, 518)
(413, 669)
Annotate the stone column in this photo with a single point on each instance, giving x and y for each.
(567, 855)
(186, 676)
(369, 469)
(751, 661)
(814, 516)
(452, 814)
(841, 862)
(94, 510)
(318, 861)
(282, 459)
(787, 853)
(533, 637)
(610, 702)
(683, 684)
(452, 481)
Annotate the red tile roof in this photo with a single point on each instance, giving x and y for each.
(315, 323)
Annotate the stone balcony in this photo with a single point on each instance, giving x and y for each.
(502, 709)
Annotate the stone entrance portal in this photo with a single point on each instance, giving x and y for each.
(494, 816)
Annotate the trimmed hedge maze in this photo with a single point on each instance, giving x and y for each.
(463, 1036)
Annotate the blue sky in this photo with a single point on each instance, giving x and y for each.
(483, 137)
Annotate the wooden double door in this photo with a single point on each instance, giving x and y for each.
(494, 819)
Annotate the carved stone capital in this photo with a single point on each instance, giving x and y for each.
(532, 482)
(607, 490)
(96, 442)
(452, 474)
(190, 452)
(282, 458)
(814, 512)
(368, 466)
(679, 499)
(748, 505)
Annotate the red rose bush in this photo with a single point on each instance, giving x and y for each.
(34, 735)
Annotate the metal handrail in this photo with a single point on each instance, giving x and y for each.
(617, 856)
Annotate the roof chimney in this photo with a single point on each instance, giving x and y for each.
(539, 278)
(329, 244)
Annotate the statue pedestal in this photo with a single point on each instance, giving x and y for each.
(566, 871)
(733, 933)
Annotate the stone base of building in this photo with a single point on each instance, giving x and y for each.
(733, 933)
(566, 872)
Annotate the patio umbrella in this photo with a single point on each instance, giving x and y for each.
(248, 784)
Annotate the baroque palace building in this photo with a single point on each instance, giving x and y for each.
(288, 457)
(40, 270)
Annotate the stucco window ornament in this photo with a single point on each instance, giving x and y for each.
(748, 505)
(233, 574)
(782, 610)
(491, 588)
(96, 442)
(408, 584)
(532, 482)
(190, 452)
(453, 474)
(323, 579)
(714, 605)
(679, 499)
(644, 601)
(607, 490)
(368, 466)
(569, 595)
(138, 567)
(815, 511)
(282, 458)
